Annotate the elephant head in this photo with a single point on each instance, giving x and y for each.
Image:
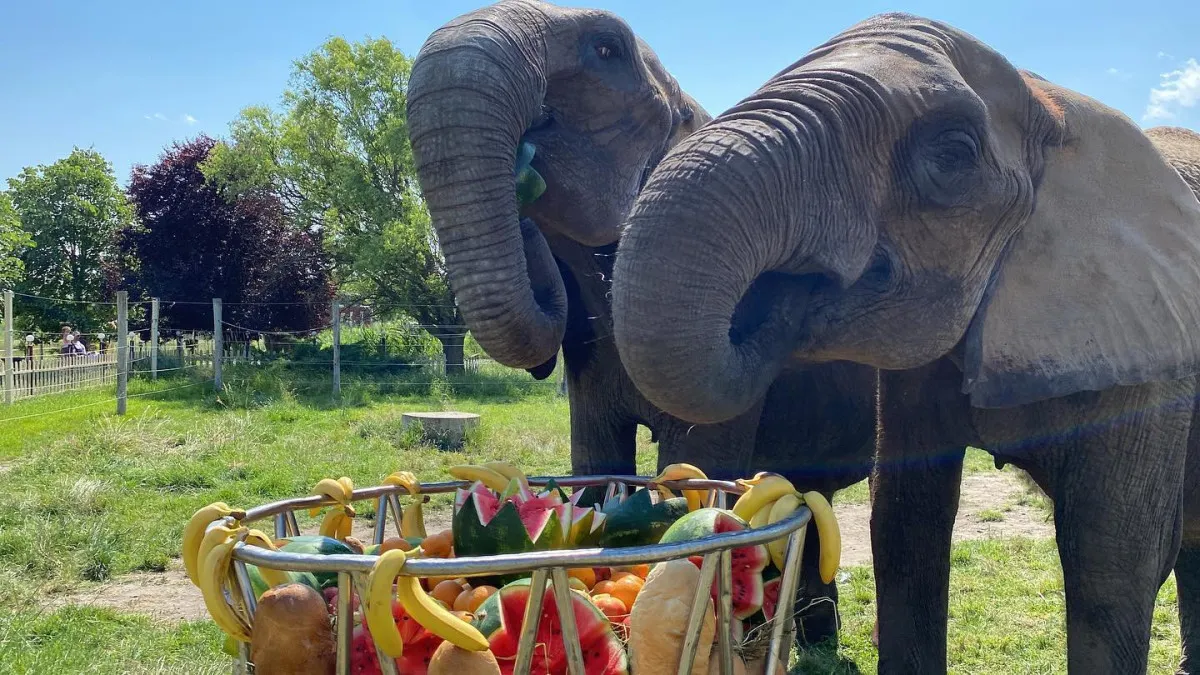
(600, 111)
(899, 195)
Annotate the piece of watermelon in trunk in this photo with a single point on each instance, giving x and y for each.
(603, 652)
(748, 561)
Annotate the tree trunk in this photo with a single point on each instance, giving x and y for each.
(452, 349)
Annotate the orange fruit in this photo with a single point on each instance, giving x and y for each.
(465, 616)
(626, 589)
(394, 543)
(612, 607)
(438, 545)
(617, 575)
(578, 585)
(585, 574)
(603, 587)
(641, 571)
(471, 598)
(447, 591)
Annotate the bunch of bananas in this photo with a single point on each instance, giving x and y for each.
(338, 520)
(417, 603)
(412, 522)
(208, 557)
(682, 471)
(770, 498)
(497, 476)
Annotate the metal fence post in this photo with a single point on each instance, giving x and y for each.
(218, 345)
(154, 338)
(10, 327)
(122, 350)
(337, 351)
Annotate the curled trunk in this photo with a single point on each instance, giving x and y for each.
(475, 87)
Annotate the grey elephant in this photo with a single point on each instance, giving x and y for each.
(1020, 262)
(600, 110)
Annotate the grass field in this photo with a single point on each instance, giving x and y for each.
(88, 497)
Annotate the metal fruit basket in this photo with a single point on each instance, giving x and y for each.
(353, 570)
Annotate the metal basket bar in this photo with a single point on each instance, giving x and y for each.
(566, 620)
(700, 601)
(533, 612)
(525, 562)
(783, 626)
(312, 501)
(345, 621)
(725, 610)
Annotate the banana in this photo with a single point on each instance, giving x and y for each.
(213, 572)
(761, 516)
(782, 508)
(193, 534)
(764, 489)
(214, 536)
(828, 532)
(273, 577)
(477, 472)
(509, 471)
(404, 479)
(422, 608)
(412, 522)
(683, 471)
(338, 522)
(347, 486)
(340, 491)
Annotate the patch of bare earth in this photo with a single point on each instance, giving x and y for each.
(988, 508)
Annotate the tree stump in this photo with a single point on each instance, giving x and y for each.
(446, 429)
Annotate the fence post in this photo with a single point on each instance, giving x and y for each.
(122, 350)
(154, 338)
(218, 344)
(337, 349)
(10, 327)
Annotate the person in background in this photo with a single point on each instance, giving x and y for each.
(67, 339)
(80, 347)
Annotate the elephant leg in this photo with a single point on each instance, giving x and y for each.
(816, 608)
(915, 489)
(1116, 477)
(1187, 564)
(603, 439)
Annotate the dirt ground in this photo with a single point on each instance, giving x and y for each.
(990, 507)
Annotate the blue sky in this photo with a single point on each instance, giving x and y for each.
(127, 76)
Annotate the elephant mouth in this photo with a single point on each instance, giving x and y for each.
(780, 306)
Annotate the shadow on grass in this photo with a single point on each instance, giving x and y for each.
(823, 659)
(251, 387)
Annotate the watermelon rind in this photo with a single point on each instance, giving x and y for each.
(638, 521)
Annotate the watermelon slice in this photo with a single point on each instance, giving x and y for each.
(748, 561)
(419, 646)
(603, 652)
(517, 520)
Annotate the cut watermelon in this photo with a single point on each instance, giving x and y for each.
(603, 653)
(517, 521)
(748, 561)
(419, 646)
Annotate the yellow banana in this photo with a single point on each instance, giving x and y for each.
(683, 471)
(782, 508)
(828, 532)
(761, 516)
(213, 573)
(509, 471)
(272, 577)
(216, 535)
(763, 490)
(339, 490)
(338, 522)
(422, 608)
(412, 522)
(193, 534)
(477, 472)
(347, 486)
(404, 479)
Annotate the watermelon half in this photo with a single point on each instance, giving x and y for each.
(501, 621)
(748, 561)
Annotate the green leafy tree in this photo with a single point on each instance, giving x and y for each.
(73, 210)
(337, 155)
(13, 242)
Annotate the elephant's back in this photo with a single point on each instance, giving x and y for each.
(1181, 148)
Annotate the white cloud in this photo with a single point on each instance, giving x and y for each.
(1178, 89)
(189, 119)
(1118, 73)
(1164, 55)
(160, 116)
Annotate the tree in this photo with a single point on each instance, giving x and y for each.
(72, 210)
(13, 242)
(195, 243)
(337, 154)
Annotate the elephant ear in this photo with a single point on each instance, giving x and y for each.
(1101, 286)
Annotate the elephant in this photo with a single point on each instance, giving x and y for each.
(600, 110)
(1019, 262)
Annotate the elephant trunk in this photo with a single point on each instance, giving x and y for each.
(720, 258)
(475, 87)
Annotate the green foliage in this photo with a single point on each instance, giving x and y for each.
(337, 154)
(73, 210)
(13, 242)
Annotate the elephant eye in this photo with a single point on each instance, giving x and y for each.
(954, 151)
(607, 48)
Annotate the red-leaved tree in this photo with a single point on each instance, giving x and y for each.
(192, 243)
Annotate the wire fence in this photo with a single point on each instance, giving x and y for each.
(38, 364)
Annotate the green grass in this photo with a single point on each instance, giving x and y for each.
(975, 461)
(89, 496)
